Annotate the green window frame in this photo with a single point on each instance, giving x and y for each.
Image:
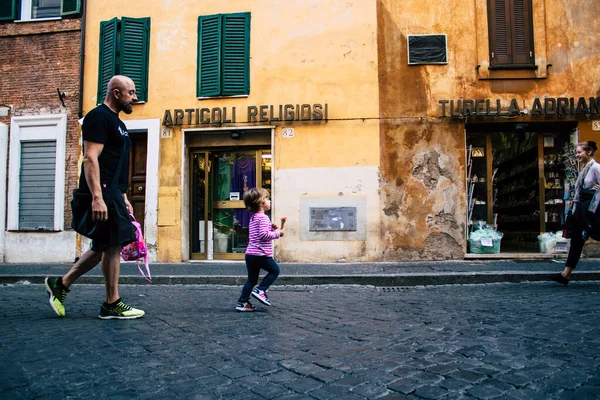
(223, 55)
(9, 9)
(124, 50)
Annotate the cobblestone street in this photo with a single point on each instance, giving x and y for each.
(517, 341)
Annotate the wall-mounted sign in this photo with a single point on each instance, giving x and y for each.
(287, 132)
(548, 141)
(332, 219)
(166, 133)
(262, 113)
(549, 106)
(478, 152)
(234, 196)
(596, 125)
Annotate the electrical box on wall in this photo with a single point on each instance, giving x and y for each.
(333, 219)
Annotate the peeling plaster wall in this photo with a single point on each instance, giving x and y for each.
(422, 180)
(423, 188)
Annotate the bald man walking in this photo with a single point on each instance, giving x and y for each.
(106, 148)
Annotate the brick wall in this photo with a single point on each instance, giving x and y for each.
(36, 58)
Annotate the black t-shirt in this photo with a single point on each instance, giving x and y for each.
(102, 125)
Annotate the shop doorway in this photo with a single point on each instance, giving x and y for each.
(520, 183)
(136, 192)
(218, 219)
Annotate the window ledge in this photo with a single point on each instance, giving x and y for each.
(223, 97)
(512, 67)
(43, 230)
(514, 72)
(24, 21)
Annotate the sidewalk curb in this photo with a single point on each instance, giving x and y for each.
(381, 280)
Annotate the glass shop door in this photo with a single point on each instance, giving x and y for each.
(219, 219)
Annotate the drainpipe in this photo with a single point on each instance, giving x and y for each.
(82, 57)
(78, 239)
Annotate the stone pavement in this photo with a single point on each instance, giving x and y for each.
(493, 341)
(376, 274)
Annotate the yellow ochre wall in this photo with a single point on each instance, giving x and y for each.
(423, 155)
(301, 52)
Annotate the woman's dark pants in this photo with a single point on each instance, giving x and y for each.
(576, 248)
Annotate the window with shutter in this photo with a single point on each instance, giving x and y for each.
(108, 51)
(36, 173)
(25, 10)
(223, 55)
(8, 10)
(135, 35)
(70, 7)
(124, 50)
(511, 33)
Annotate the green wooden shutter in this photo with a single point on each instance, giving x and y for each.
(108, 50)
(208, 82)
(70, 7)
(135, 42)
(8, 10)
(236, 54)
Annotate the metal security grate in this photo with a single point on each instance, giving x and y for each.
(37, 185)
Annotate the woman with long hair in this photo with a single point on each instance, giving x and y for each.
(587, 183)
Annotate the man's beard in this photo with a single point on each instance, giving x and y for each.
(126, 107)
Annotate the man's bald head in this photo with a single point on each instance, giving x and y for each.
(120, 82)
(120, 94)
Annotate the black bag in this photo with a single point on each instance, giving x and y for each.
(583, 219)
(81, 207)
(82, 222)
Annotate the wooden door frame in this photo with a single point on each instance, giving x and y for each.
(130, 189)
(259, 151)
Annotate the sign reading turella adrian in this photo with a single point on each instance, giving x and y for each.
(548, 106)
(262, 113)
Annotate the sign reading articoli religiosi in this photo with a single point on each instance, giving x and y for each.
(548, 106)
(262, 113)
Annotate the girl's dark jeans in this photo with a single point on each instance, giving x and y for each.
(254, 264)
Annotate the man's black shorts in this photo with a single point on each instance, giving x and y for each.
(119, 230)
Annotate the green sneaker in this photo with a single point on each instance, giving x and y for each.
(57, 295)
(120, 311)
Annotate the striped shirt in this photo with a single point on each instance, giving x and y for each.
(261, 235)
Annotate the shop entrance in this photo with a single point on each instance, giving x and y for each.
(218, 219)
(136, 192)
(520, 183)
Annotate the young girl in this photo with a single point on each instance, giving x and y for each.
(259, 254)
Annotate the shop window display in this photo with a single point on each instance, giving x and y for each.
(517, 190)
(528, 180)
